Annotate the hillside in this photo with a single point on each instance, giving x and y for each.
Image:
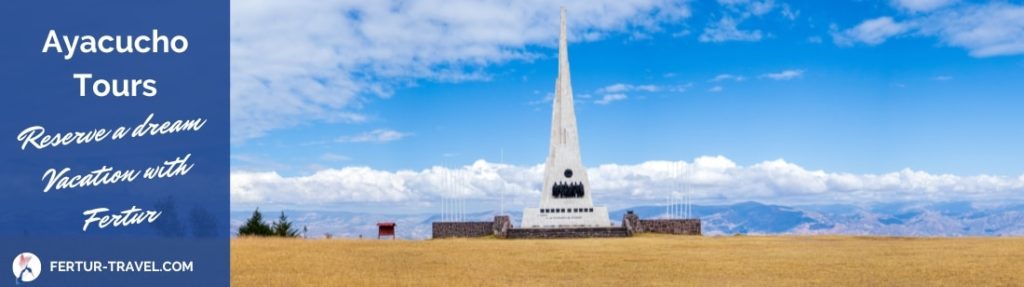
(890, 219)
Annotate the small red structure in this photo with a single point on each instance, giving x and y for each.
(386, 229)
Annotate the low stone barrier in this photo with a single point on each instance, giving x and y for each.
(501, 227)
(462, 229)
(670, 226)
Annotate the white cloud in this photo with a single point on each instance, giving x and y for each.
(870, 32)
(942, 78)
(374, 136)
(682, 33)
(725, 30)
(789, 13)
(546, 99)
(985, 30)
(727, 77)
(922, 5)
(621, 88)
(748, 8)
(333, 187)
(735, 12)
(758, 8)
(710, 179)
(715, 89)
(312, 60)
(609, 98)
(334, 157)
(784, 75)
(619, 91)
(356, 184)
(251, 162)
(995, 29)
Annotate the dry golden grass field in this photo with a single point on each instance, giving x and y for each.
(646, 260)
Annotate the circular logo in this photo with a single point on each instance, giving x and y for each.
(26, 267)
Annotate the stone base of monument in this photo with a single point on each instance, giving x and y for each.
(502, 227)
(567, 217)
(578, 232)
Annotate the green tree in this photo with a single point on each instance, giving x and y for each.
(283, 227)
(255, 226)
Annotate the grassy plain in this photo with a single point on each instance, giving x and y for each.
(646, 260)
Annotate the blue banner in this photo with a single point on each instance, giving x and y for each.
(115, 138)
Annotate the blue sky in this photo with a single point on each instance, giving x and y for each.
(858, 87)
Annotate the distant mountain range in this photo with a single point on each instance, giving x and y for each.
(891, 219)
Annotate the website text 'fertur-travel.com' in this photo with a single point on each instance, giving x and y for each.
(121, 266)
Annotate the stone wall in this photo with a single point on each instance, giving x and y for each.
(671, 226)
(463, 229)
(631, 222)
(588, 232)
(501, 226)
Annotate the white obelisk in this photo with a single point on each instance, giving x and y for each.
(566, 195)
